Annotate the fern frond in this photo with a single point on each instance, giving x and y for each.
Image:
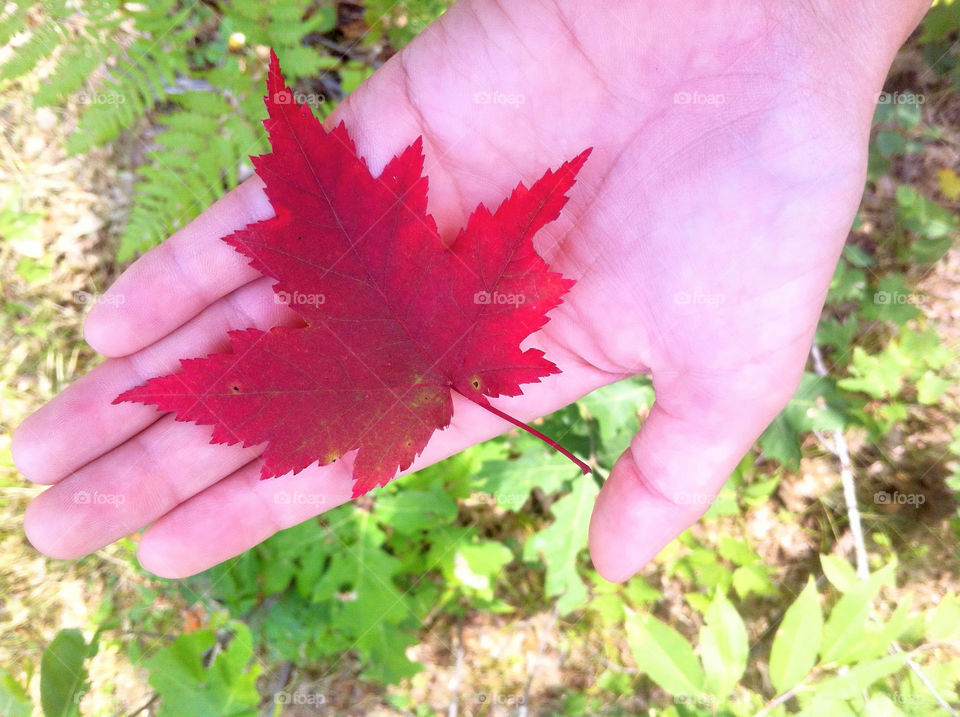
(84, 49)
(43, 40)
(195, 161)
(136, 86)
(14, 22)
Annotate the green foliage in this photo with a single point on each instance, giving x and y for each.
(502, 528)
(402, 21)
(338, 589)
(934, 225)
(826, 665)
(207, 674)
(560, 544)
(63, 673)
(206, 103)
(723, 647)
(797, 642)
(664, 655)
(941, 26)
(817, 405)
(16, 225)
(14, 700)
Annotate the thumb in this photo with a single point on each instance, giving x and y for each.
(697, 431)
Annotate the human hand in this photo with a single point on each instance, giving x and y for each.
(729, 155)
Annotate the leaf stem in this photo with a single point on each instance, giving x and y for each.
(534, 432)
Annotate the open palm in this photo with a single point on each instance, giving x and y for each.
(729, 153)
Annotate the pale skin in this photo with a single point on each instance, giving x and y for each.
(729, 156)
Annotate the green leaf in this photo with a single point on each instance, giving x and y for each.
(890, 143)
(664, 655)
(34, 270)
(879, 375)
(753, 580)
(781, 442)
(383, 647)
(352, 75)
(846, 627)
(561, 542)
(848, 283)
(698, 601)
(891, 299)
(833, 333)
(362, 573)
(736, 551)
(63, 675)
(508, 483)
(14, 701)
(930, 387)
(477, 566)
(880, 705)
(934, 225)
(615, 409)
(797, 642)
(723, 646)
(829, 707)
(839, 572)
(851, 684)
(923, 216)
(877, 638)
(227, 688)
(610, 608)
(816, 405)
(856, 256)
(639, 592)
(924, 350)
(944, 623)
(758, 492)
(410, 511)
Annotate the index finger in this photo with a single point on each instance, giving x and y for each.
(175, 281)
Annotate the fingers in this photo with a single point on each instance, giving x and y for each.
(237, 513)
(695, 435)
(207, 501)
(178, 279)
(241, 511)
(119, 493)
(80, 424)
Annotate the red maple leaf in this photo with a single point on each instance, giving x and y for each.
(394, 318)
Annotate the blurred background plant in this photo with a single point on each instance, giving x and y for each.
(823, 580)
